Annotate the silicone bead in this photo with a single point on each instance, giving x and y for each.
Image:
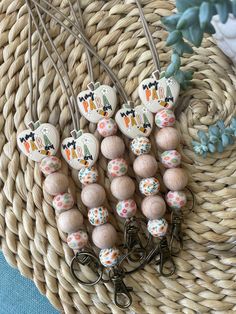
(122, 187)
(176, 199)
(157, 227)
(117, 167)
(56, 183)
(149, 186)
(171, 158)
(126, 208)
(63, 202)
(112, 147)
(167, 138)
(145, 166)
(93, 195)
(49, 165)
(107, 127)
(109, 257)
(70, 221)
(98, 216)
(153, 207)
(77, 240)
(88, 175)
(140, 145)
(104, 236)
(165, 118)
(175, 179)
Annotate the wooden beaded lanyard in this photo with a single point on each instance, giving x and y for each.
(159, 96)
(109, 256)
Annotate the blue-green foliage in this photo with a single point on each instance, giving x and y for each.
(217, 138)
(188, 25)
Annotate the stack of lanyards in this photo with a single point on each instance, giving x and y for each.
(116, 82)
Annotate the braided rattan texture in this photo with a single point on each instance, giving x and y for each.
(205, 280)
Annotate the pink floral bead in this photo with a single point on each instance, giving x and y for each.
(98, 216)
(49, 165)
(157, 227)
(63, 202)
(176, 199)
(77, 240)
(149, 186)
(171, 158)
(109, 257)
(117, 167)
(107, 127)
(126, 209)
(88, 175)
(165, 118)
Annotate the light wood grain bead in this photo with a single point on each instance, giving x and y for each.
(122, 187)
(104, 236)
(93, 195)
(112, 147)
(153, 207)
(145, 166)
(56, 183)
(70, 221)
(167, 138)
(175, 179)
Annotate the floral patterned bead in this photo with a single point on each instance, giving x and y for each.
(107, 127)
(117, 167)
(149, 186)
(109, 257)
(171, 158)
(63, 202)
(49, 165)
(157, 227)
(98, 216)
(176, 199)
(77, 240)
(140, 145)
(88, 175)
(126, 209)
(165, 118)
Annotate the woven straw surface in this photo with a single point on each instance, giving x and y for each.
(205, 279)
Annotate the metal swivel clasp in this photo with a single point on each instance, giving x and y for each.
(166, 262)
(176, 239)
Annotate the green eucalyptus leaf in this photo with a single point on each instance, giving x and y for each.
(170, 71)
(171, 21)
(188, 18)
(222, 10)
(196, 35)
(209, 29)
(175, 59)
(205, 14)
(183, 47)
(186, 34)
(183, 5)
(179, 76)
(234, 7)
(188, 75)
(173, 37)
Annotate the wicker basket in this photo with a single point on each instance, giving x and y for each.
(205, 280)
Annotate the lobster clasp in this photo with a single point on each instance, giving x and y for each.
(122, 296)
(166, 262)
(176, 240)
(132, 240)
(86, 258)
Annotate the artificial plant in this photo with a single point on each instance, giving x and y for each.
(188, 25)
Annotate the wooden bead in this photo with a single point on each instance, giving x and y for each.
(122, 188)
(56, 183)
(153, 207)
(167, 138)
(157, 227)
(145, 166)
(175, 179)
(104, 236)
(112, 147)
(62, 202)
(109, 257)
(93, 195)
(49, 165)
(77, 240)
(70, 221)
